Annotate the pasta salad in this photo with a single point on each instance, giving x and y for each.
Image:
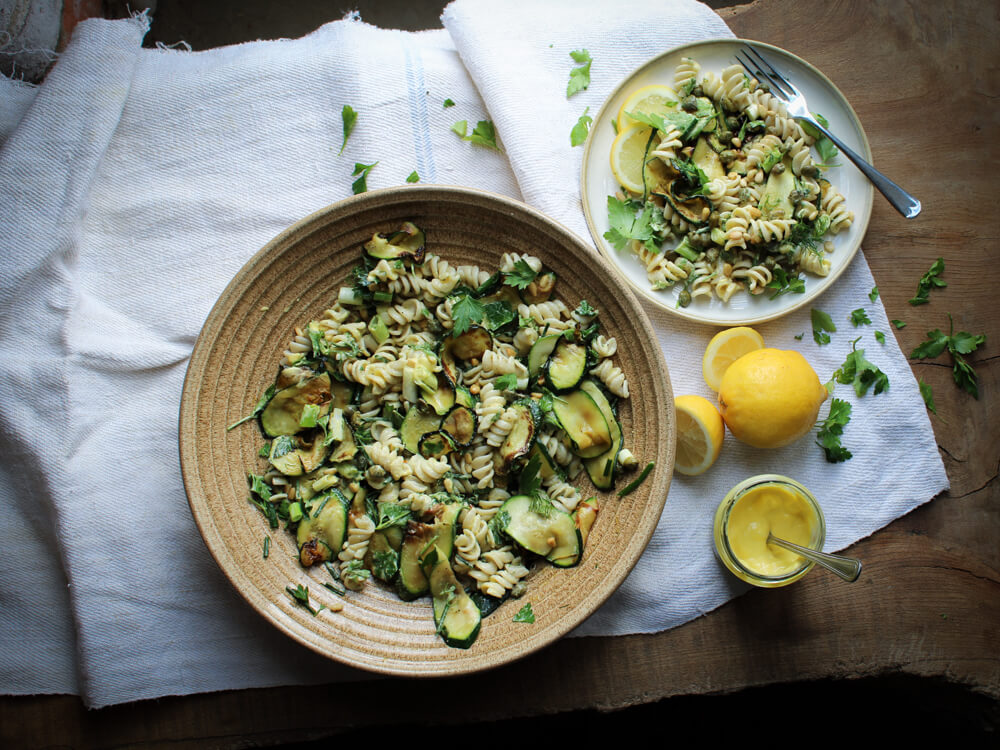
(426, 429)
(721, 193)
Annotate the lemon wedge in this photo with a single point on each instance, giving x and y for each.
(656, 99)
(628, 156)
(700, 431)
(725, 348)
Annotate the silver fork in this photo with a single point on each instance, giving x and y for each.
(781, 87)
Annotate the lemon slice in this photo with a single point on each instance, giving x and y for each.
(655, 100)
(725, 348)
(628, 155)
(700, 431)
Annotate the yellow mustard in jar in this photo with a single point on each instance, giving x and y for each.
(756, 506)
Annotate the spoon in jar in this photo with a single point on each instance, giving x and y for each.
(847, 568)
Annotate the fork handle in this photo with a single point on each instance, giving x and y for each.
(901, 200)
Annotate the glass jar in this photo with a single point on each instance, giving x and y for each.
(767, 502)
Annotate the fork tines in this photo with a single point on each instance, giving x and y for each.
(773, 78)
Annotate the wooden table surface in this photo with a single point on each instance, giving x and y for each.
(924, 79)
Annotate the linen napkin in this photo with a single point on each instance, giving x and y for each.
(518, 55)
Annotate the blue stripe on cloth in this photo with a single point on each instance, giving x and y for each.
(419, 121)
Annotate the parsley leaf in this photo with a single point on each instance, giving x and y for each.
(521, 275)
(506, 382)
(585, 310)
(799, 336)
(861, 373)
(880, 337)
(498, 314)
(860, 317)
(413, 177)
(899, 324)
(782, 283)
(831, 430)
(928, 281)
(579, 77)
(525, 614)
(466, 312)
(578, 134)
(392, 514)
(360, 185)
(350, 118)
(484, 134)
(530, 480)
(822, 322)
(873, 294)
(957, 344)
(301, 596)
(936, 343)
(625, 224)
(928, 394)
(385, 564)
(263, 401)
(449, 103)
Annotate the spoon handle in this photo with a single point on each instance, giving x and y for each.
(847, 568)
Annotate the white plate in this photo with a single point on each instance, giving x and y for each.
(742, 309)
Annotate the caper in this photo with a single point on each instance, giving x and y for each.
(697, 91)
(690, 104)
(684, 298)
(733, 123)
(778, 168)
(726, 136)
(728, 156)
(810, 170)
(712, 254)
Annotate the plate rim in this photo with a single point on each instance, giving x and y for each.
(212, 535)
(861, 222)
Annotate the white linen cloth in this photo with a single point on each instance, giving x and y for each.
(137, 183)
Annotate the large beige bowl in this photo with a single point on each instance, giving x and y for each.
(291, 281)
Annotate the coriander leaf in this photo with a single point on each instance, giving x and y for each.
(466, 312)
(448, 103)
(928, 281)
(928, 394)
(413, 177)
(579, 77)
(521, 275)
(880, 337)
(822, 322)
(831, 430)
(263, 401)
(625, 224)
(873, 294)
(899, 324)
(360, 185)
(506, 382)
(859, 317)
(525, 614)
(578, 135)
(350, 118)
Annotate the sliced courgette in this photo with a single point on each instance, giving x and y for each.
(707, 159)
(521, 438)
(412, 582)
(436, 444)
(283, 414)
(322, 535)
(284, 456)
(566, 366)
(584, 517)
(346, 449)
(455, 613)
(460, 423)
(583, 422)
(442, 399)
(602, 468)
(540, 352)
(542, 528)
(775, 200)
(313, 450)
(406, 243)
(416, 424)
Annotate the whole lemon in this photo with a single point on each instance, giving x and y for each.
(770, 398)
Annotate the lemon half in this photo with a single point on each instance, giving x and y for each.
(725, 348)
(628, 155)
(700, 431)
(656, 99)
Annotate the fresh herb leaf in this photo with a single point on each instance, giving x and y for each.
(880, 337)
(831, 430)
(385, 564)
(413, 177)
(498, 314)
(506, 382)
(625, 224)
(361, 171)
(530, 481)
(525, 614)
(873, 294)
(448, 592)
(484, 134)
(461, 128)
(579, 77)
(683, 121)
(259, 487)
(578, 135)
(466, 312)
(782, 283)
(392, 514)
(521, 275)
(899, 324)
(928, 281)
(928, 394)
(957, 344)
(859, 317)
(449, 103)
(861, 373)
(585, 310)
(300, 594)
(936, 343)
(258, 408)
(355, 574)
(821, 323)
(350, 118)
(799, 336)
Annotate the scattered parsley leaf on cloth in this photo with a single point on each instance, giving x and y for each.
(449, 103)
(350, 118)
(413, 177)
(484, 134)
(859, 317)
(873, 294)
(928, 281)
(831, 430)
(860, 373)
(821, 323)
(361, 171)
(578, 135)
(579, 77)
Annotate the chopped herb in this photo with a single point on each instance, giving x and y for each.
(506, 382)
(880, 337)
(861, 373)
(361, 171)
(578, 135)
(831, 430)
(498, 314)
(413, 177)
(449, 592)
(530, 480)
(449, 103)
(267, 546)
(634, 484)
(355, 574)
(821, 323)
(927, 392)
(258, 408)
(265, 450)
(466, 312)
(579, 77)
(859, 317)
(350, 118)
(521, 275)
(957, 344)
(899, 324)
(385, 564)
(392, 514)
(525, 614)
(259, 487)
(799, 336)
(484, 134)
(300, 594)
(873, 294)
(928, 281)
(782, 283)
(626, 225)
(335, 589)
(585, 310)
